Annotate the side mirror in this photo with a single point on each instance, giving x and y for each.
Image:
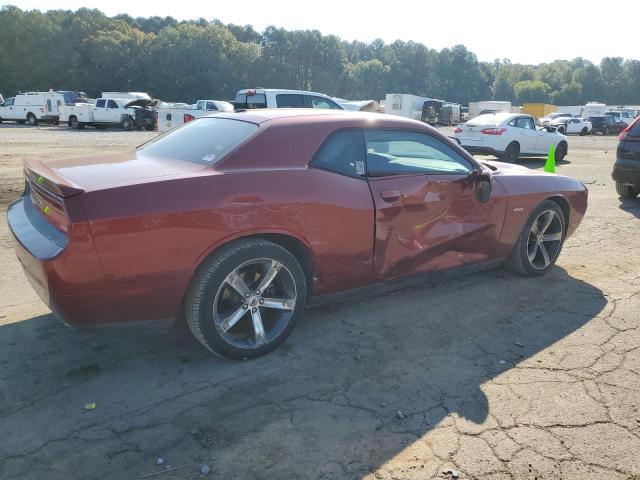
(483, 187)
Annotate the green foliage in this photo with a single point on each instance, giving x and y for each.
(186, 60)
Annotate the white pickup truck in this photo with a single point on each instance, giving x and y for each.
(114, 109)
(171, 115)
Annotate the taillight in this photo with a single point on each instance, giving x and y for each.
(493, 131)
(188, 118)
(457, 130)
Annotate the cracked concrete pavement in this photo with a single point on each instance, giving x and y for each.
(493, 375)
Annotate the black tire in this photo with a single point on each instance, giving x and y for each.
(627, 191)
(74, 123)
(127, 123)
(511, 153)
(32, 120)
(520, 261)
(561, 129)
(561, 151)
(211, 283)
(584, 131)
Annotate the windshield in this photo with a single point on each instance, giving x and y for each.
(205, 140)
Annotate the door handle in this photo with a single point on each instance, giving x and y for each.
(390, 195)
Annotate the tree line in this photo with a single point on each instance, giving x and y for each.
(185, 60)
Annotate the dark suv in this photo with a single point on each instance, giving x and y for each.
(626, 170)
(607, 125)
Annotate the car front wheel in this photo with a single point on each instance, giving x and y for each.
(246, 299)
(540, 241)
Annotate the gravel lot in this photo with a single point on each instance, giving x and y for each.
(492, 375)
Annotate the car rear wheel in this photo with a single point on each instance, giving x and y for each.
(246, 299)
(561, 151)
(627, 191)
(511, 153)
(32, 120)
(584, 131)
(540, 241)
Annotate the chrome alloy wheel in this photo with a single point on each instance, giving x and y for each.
(255, 303)
(545, 239)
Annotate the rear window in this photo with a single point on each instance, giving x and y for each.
(258, 100)
(205, 140)
(489, 119)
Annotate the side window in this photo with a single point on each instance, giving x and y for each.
(49, 107)
(342, 152)
(524, 122)
(396, 152)
(112, 104)
(289, 100)
(9, 102)
(320, 102)
(211, 106)
(101, 103)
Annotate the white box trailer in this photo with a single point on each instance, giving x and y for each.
(488, 106)
(594, 109)
(404, 105)
(33, 108)
(573, 110)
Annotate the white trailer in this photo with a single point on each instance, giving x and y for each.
(404, 105)
(593, 109)
(173, 115)
(573, 110)
(488, 106)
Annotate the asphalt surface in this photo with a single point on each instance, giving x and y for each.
(492, 375)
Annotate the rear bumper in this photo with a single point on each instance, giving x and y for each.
(65, 273)
(627, 172)
(476, 150)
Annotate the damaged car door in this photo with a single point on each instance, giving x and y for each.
(434, 209)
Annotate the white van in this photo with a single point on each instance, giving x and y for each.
(274, 98)
(32, 107)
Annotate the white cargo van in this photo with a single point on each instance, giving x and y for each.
(32, 107)
(171, 115)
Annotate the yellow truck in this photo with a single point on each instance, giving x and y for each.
(538, 110)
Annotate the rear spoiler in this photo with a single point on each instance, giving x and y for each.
(37, 172)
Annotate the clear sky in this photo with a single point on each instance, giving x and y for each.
(524, 31)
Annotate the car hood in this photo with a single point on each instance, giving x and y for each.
(143, 102)
(84, 174)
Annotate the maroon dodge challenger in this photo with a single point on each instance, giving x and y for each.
(237, 222)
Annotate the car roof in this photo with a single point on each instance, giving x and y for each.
(315, 115)
(280, 90)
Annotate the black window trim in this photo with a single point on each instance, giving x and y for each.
(472, 164)
(308, 96)
(312, 163)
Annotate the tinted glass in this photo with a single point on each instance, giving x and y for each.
(634, 131)
(211, 106)
(205, 140)
(320, 102)
(100, 103)
(340, 152)
(289, 100)
(112, 104)
(259, 100)
(395, 152)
